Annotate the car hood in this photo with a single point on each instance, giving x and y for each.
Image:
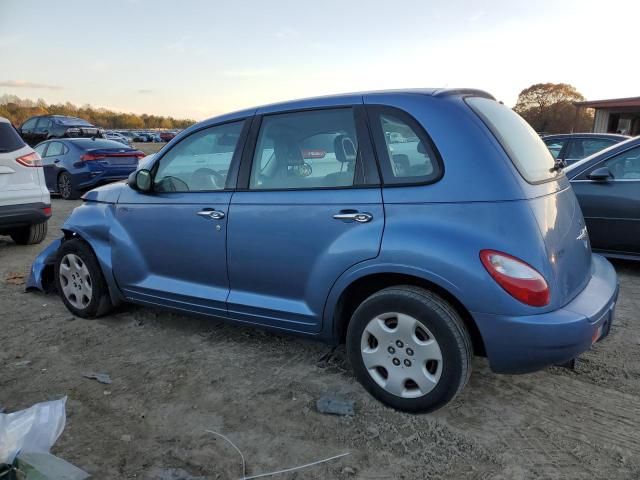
(105, 194)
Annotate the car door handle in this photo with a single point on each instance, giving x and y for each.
(360, 217)
(214, 214)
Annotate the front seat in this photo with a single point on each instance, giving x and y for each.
(287, 153)
(346, 153)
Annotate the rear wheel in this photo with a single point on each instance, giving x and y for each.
(409, 348)
(66, 189)
(79, 280)
(30, 235)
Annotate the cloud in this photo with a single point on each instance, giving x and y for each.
(249, 72)
(145, 90)
(25, 84)
(180, 45)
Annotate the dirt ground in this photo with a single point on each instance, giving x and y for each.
(176, 376)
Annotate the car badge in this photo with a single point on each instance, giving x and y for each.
(584, 236)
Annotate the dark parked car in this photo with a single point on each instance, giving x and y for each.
(167, 136)
(608, 188)
(302, 217)
(38, 129)
(571, 147)
(74, 165)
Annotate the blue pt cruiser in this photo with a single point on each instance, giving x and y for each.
(420, 227)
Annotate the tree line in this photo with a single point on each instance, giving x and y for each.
(548, 107)
(17, 110)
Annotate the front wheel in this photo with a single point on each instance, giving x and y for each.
(79, 280)
(409, 348)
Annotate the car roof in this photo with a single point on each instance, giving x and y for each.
(336, 100)
(4, 120)
(613, 136)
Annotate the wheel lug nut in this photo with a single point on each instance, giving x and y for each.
(409, 352)
(396, 362)
(399, 344)
(407, 363)
(391, 350)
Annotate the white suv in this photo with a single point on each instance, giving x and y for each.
(25, 204)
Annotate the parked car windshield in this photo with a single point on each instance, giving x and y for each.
(523, 145)
(9, 138)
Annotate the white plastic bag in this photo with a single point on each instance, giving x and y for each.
(33, 430)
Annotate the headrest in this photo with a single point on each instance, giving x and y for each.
(287, 148)
(421, 148)
(344, 149)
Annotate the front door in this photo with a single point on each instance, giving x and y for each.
(306, 214)
(611, 208)
(170, 247)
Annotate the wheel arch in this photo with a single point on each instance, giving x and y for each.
(357, 289)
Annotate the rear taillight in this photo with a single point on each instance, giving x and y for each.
(139, 155)
(89, 157)
(30, 160)
(520, 280)
(47, 211)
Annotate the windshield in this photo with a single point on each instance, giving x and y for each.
(527, 151)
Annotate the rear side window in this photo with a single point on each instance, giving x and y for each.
(527, 151)
(305, 150)
(585, 147)
(9, 138)
(405, 152)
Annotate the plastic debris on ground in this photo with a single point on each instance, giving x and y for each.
(100, 377)
(335, 405)
(27, 436)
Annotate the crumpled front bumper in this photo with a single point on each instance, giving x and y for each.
(46, 258)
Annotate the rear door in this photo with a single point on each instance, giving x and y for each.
(308, 207)
(42, 130)
(612, 207)
(170, 247)
(51, 159)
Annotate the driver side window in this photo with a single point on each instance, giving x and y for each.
(200, 162)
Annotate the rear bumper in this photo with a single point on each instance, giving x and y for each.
(529, 343)
(16, 216)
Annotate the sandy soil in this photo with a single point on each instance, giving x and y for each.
(175, 376)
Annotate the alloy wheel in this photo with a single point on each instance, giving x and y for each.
(64, 186)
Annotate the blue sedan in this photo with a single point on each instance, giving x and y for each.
(74, 165)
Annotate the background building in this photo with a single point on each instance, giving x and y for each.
(618, 115)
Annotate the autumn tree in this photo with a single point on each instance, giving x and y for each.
(549, 108)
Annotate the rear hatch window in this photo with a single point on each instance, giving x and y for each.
(527, 151)
(10, 140)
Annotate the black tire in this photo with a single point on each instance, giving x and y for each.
(30, 235)
(100, 303)
(440, 318)
(66, 188)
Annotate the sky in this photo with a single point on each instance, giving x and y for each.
(200, 58)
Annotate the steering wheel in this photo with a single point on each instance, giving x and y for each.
(206, 179)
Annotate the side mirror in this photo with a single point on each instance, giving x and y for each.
(601, 174)
(140, 180)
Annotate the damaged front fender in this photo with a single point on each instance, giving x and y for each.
(41, 275)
